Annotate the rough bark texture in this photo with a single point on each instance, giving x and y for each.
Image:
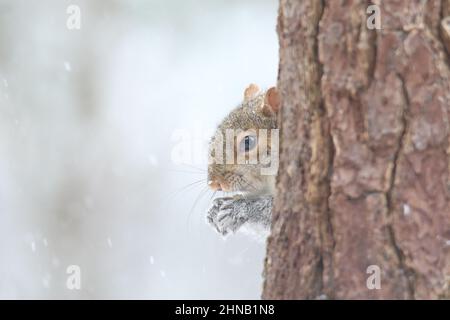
(364, 174)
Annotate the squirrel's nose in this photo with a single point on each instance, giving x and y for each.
(214, 185)
(218, 185)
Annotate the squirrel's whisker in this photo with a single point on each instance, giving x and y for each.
(201, 194)
(174, 193)
(250, 184)
(185, 171)
(194, 167)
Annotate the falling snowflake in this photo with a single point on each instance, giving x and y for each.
(406, 209)
(46, 281)
(153, 160)
(55, 262)
(67, 66)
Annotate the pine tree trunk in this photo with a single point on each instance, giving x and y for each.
(364, 175)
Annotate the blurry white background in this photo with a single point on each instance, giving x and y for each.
(89, 121)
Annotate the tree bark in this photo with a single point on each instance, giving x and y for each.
(364, 175)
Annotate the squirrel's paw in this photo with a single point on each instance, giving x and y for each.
(225, 215)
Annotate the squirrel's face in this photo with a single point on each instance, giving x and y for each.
(242, 145)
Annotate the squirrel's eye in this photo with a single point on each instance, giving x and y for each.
(248, 143)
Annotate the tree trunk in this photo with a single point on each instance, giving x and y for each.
(364, 175)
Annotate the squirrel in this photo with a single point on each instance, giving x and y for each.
(254, 140)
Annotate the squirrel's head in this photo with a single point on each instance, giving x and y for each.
(243, 145)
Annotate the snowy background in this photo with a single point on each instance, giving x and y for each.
(90, 129)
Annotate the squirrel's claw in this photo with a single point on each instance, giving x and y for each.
(225, 215)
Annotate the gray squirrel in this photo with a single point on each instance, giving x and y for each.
(237, 166)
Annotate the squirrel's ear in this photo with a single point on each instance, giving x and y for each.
(271, 101)
(251, 92)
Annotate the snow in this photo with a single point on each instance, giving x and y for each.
(67, 66)
(55, 262)
(109, 242)
(406, 209)
(46, 281)
(33, 246)
(153, 160)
